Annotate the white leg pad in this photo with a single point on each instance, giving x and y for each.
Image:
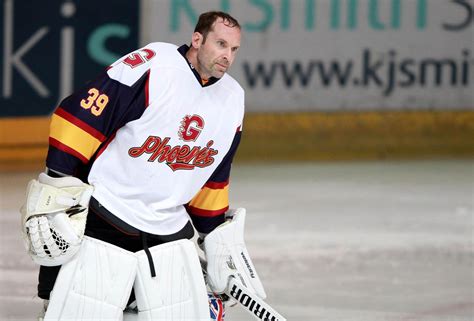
(178, 292)
(94, 285)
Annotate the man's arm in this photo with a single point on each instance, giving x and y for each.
(84, 123)
(222, 231)
(207, 209)
(54, 215)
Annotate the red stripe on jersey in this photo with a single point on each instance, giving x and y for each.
(55, 143)
(217, 185)
(79, 123)
(206, 213)
(101, 150)
(147, 89)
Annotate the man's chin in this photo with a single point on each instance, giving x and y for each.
(218, 74)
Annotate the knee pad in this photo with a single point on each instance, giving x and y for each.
(94, 285)
(178, 291)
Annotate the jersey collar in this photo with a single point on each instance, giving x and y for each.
(183, 50)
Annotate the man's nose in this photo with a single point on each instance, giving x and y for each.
(228, 54)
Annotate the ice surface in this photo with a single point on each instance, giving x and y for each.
(366, 241)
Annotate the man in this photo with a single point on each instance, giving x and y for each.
(155, 136)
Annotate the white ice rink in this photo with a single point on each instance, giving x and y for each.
(367, 241)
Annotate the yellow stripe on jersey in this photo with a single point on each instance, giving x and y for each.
(73, 137)
(211, 199)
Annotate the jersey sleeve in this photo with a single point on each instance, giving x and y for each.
(207, 209)
(85, 122)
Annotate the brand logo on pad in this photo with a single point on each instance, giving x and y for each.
(252, 305)
(176, 157)
(191, 127)
(252, 274)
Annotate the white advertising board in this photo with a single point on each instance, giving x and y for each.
(323, 55)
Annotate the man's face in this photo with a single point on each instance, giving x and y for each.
(218, 52)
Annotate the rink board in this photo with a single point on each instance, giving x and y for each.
(296, 136)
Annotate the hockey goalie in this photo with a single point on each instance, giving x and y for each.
(138, 159)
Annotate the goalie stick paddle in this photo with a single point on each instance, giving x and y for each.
(251, 302)
(248, 300)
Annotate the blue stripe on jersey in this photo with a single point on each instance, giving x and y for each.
(206, 224)
(222, 172)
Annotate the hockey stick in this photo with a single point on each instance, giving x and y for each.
(248, 300)
(251, 302)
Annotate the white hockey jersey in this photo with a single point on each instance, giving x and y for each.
(156, 142)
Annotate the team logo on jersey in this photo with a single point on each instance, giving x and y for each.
(176, 157)
(191, 127)
(139, 58)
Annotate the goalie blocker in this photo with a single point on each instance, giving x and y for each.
(227, 256)
(230, 270)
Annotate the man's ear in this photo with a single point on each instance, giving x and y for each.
(196, 40)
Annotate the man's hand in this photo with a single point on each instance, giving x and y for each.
(227, 256)
(54, 218)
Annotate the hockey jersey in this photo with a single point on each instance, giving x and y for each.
(153, 138)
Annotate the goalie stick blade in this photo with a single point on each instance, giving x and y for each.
(254, 305)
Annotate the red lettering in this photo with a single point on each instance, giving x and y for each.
(177, 157)
(176, 166)
(191, 127)
(147, 147)
(182, 153)
(171, 157)
(158, 149)
(137, 58)
(134, 60)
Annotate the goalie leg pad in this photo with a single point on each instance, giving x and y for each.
(94, 285)
(177, 292)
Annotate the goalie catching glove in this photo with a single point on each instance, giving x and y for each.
(54, 218)
(227, 256)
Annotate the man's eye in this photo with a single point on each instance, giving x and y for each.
(221, 43)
